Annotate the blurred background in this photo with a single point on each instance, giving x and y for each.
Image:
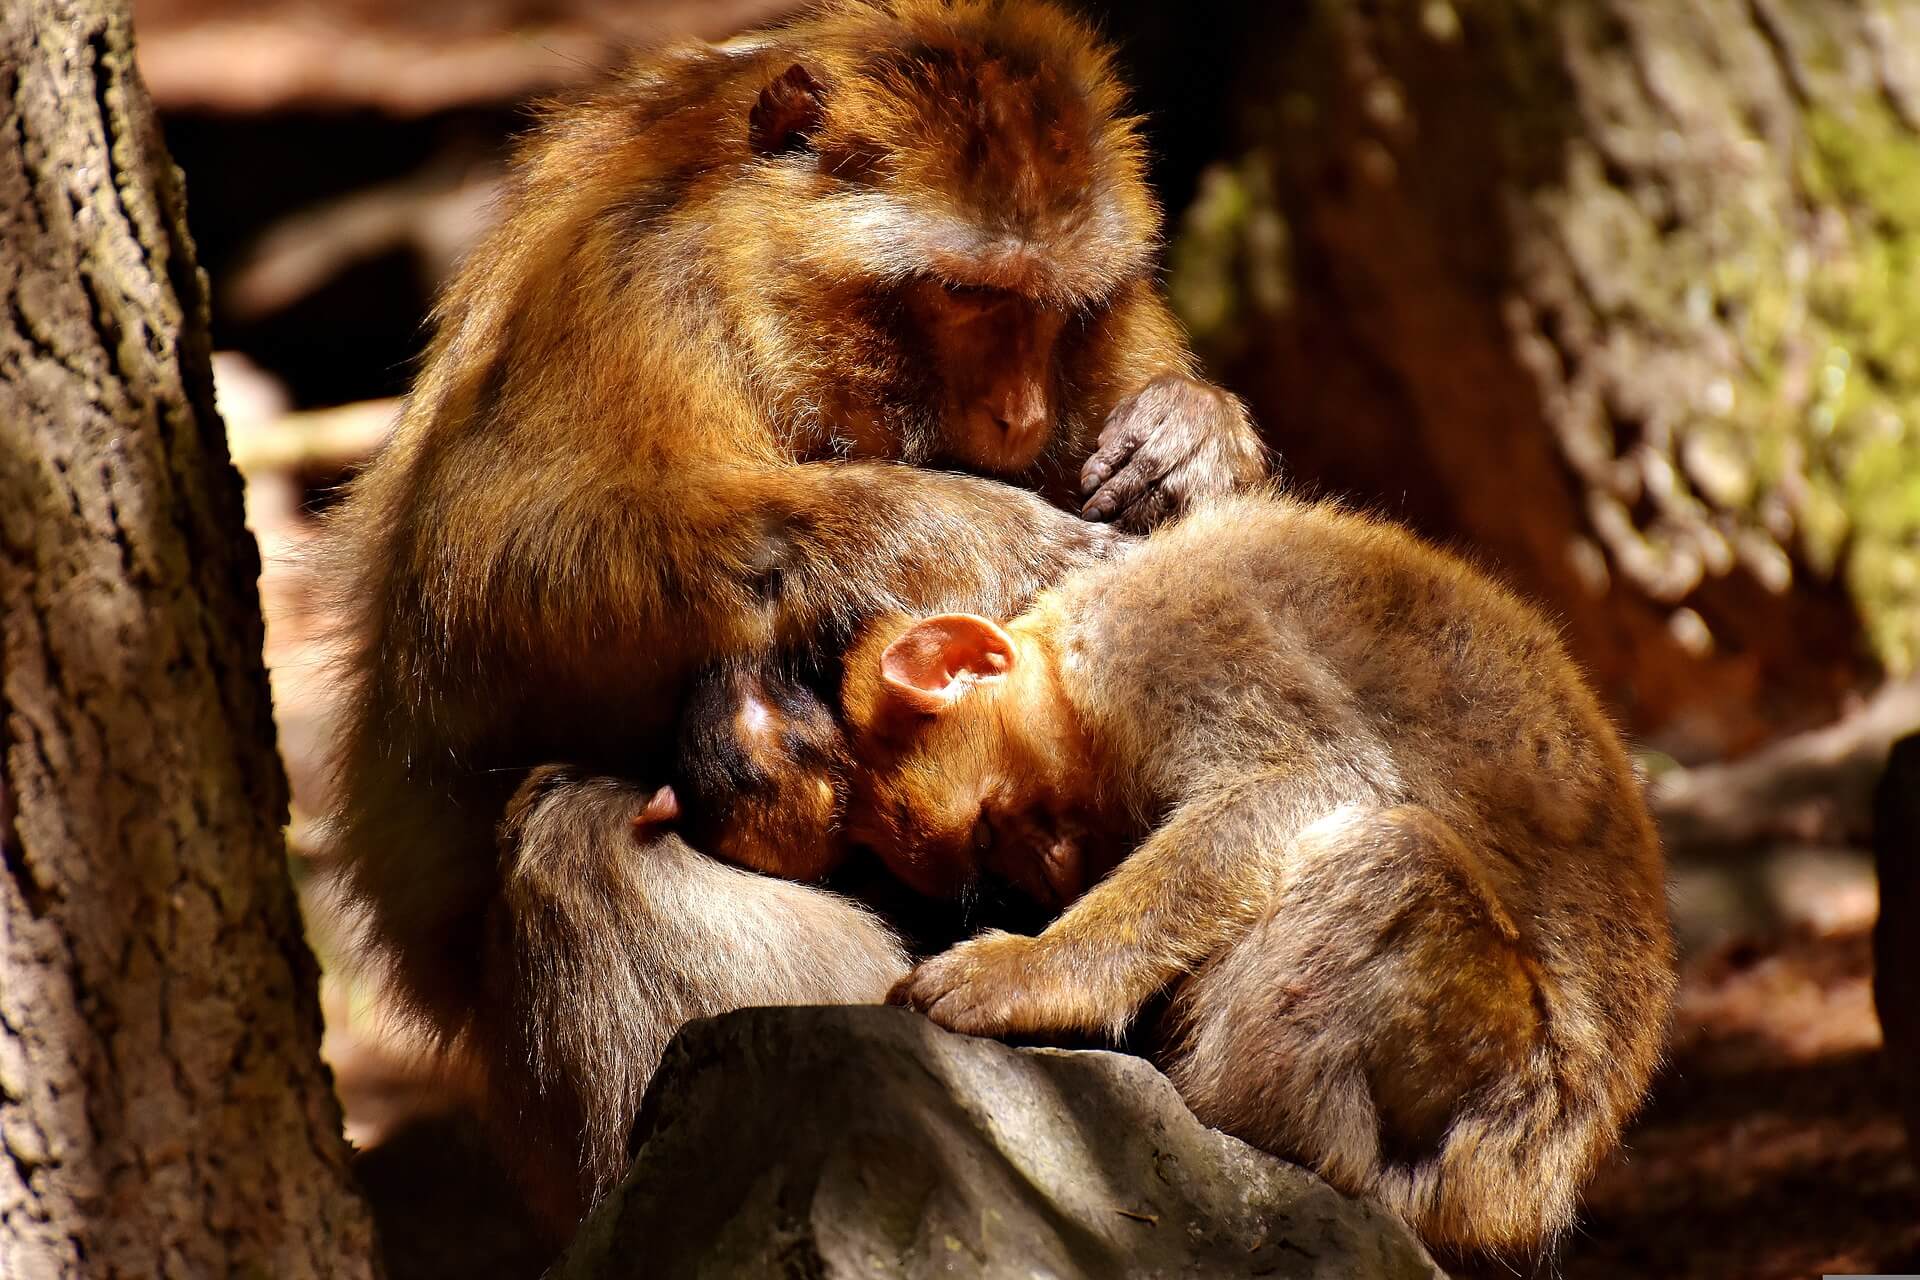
(1621, 297)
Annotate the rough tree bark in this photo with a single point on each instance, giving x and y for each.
(163, 1109)
(1620, 292)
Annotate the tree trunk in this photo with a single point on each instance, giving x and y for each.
(1620, 292)
(163, 1109)
(1896, 934)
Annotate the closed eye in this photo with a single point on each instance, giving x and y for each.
(973, 295)
(984, 834)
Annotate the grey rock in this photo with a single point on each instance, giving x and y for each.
(866, 1142)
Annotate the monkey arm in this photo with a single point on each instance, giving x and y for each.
(832, 543)
(1140, 340)
(618, 582)
(1205, 877)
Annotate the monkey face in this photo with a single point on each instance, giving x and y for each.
(964, 798)
(925, 808)
(962, 761)
(995, 354)
(964, 182)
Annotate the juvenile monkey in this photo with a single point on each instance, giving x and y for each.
(760, 781)
(1392, 861)
(660, 427)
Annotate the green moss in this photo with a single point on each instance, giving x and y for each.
(1864, 428)
(1824, 418)
(1791, 291)
(1228, 264)
(1866, 158)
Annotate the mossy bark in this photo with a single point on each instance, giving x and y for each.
(163, 1108)
(1624, 294)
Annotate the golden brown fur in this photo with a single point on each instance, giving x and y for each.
(1393, 861)
(760, 773)
(659, 426)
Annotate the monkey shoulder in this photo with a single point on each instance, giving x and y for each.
(1261, 610)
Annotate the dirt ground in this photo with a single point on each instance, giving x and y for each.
(1771, 1149)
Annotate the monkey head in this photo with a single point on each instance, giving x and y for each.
(967, 759)
(759, 775)
(956, 185)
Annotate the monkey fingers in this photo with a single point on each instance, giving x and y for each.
(1003, 984)
(1173, 442)
(1132, 457)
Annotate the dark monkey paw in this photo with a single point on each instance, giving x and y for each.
(1174, 442)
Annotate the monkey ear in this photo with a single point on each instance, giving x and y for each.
(660, 811)
(940, 658)
(788, 113)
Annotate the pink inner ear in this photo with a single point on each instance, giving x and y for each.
(939, 657)
(917, 661)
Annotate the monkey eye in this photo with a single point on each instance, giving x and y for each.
(984, 836)
(972, 295)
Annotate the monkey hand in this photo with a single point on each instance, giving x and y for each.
(1002, 984)
(1172, 443)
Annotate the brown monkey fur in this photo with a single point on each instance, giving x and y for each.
(660, 425)
(1393, 861)
(759, 773)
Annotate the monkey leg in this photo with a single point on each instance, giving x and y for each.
(599, 947)
(1385, 1025)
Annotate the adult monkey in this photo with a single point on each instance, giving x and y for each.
(659, 427)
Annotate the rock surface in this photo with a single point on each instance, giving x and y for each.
(825, 1143)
